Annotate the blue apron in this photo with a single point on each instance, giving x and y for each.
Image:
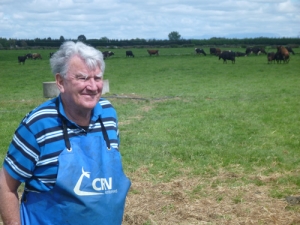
(90, 189)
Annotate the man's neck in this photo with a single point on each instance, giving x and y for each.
(79, 117)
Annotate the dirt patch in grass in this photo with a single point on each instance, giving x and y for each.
(192, 201)
(200, 200)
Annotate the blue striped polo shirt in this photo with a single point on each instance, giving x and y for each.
(32, 156)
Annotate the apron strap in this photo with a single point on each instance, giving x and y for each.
(64, 125)
(65, 132)
(104, 132)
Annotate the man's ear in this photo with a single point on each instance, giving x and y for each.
(60, 82)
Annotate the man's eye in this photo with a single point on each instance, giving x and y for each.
(98, 78)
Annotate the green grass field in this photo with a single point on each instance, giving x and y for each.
(190, 119)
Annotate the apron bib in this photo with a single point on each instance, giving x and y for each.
(90, 189)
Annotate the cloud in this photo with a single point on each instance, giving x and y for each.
(127, 19)
(82, 1)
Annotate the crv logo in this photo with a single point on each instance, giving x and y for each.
(98, 184)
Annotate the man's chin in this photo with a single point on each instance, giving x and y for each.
(90, 104)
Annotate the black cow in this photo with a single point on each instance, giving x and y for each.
(271, 57)
(129, 54)
(215, 51)
(259, 50)
(29, 56)
(290, 50)
(200, 51)
(255, 50)
(226, 55)
(21, 59)
(248, 51)
(278, 57)
(107, 54)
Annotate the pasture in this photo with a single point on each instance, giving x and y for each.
(203, 142)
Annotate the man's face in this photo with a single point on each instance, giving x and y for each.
(81, 88)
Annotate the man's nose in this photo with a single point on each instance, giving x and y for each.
(92, 84)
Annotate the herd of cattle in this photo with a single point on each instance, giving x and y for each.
(21, 59)
(282, 54)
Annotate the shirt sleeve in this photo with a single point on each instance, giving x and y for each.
(22, 154)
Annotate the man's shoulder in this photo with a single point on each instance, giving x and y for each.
(46, 110)
(107, 111)
(105, 103)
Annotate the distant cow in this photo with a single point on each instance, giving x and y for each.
(226, 55)
(238, 54)
(36, 56)
(278, 57)
(107, 54)
(255, 50)
(290, 50)
(129, 54)
(29, 56)
(152, 52)
(259, 50)
(21, 59)
(271, 57)
(284, 53)
(200, 51)
(215, 51)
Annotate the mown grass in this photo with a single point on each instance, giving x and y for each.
(183, 114)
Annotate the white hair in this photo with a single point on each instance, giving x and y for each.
(59, 62)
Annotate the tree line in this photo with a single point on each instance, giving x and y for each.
(140, 43)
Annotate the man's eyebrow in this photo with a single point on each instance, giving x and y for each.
(81, 74)
(86, 75)
(99, 74)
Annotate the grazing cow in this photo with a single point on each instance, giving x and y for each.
(107, 54)
(215, 51)
(152, 52)
(260, 50)
(290, 50)
(255, 50)
(36, 56)
(238, 54)
(248, 51)
(200, 51)
(226, 55)
(271, 57)
(278, 57)
(284, 53)
(129, 54)
(21, 59)
(51, 54)
(29, 56)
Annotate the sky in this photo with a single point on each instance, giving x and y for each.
(152, 19)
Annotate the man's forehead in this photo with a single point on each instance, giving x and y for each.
(77, 62)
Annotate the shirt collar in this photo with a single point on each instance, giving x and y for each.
(96, 112)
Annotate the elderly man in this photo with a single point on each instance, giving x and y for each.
(66, 151)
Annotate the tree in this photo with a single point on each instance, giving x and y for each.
(81, 38)
(174, 36)
(62, 38)
(12, 43)
(23, 43)
(104, 39)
